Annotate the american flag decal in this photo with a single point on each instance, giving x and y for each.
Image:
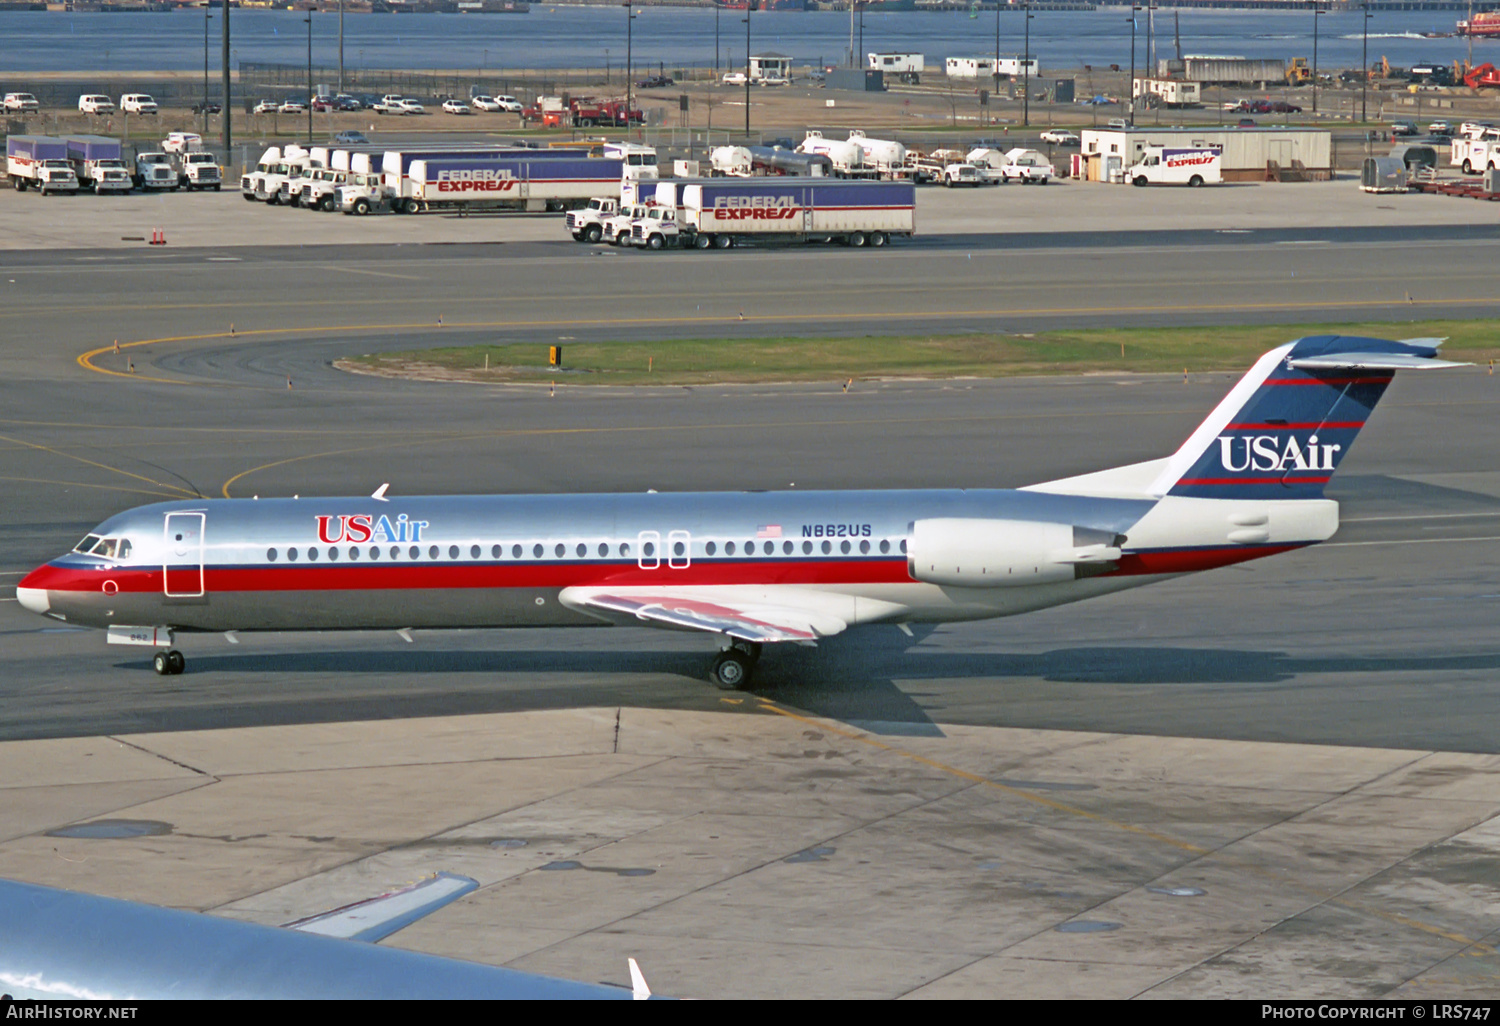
(768, 531)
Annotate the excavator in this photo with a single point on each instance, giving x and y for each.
(1486, 75)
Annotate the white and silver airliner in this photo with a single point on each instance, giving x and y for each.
(754, 568)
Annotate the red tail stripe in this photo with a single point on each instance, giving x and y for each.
(1380, 379)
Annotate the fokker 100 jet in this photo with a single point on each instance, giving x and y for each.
(754, 568)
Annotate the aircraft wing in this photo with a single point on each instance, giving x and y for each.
(376, 918)
(744, 616)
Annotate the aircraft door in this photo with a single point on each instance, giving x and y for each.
(807, 210)
(182, 563)
(679, 549)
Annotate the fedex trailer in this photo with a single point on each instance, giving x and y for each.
(532, 182)
(724, 213)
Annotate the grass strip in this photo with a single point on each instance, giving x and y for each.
(726, 361)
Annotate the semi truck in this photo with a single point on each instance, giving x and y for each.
(1177, 165)
(196, 169)
(846, 157)
(39, 162)
(98, 164)
(885, 157)
(724, 213)
(154, 170)
(522, 180)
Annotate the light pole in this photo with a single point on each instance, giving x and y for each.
(860, 62)
(228, 139)
(1133, 9)
(308, 19)
(341, 47)
(1026, 71)
(1317, 12)
(716, 40)
(205, 70)
(1364, 66)
(629, 61)
(995, 71)
(750, 6)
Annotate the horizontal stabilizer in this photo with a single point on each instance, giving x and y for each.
(1430, 343)
(1372, 361)
(747, 620)
(377, 918)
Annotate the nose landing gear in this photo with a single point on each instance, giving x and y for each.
(168, 661)
(734, 667)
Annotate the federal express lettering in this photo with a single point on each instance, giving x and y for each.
(475, 180)
(754, 208)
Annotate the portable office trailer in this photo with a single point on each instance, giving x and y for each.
(1246, 151)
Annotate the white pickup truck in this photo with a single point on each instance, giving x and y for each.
(1027, 167)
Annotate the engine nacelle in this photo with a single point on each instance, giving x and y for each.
(1007, 553)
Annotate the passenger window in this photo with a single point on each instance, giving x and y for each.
(786, 547)
(395, 552)
(473, 551)
(515, 550)
(536, 550)
(728, 549)
(432, 552)
(291, 555)
(844, 548)
(452, 551)
(312, 554)
(807, 548)
(885, 545)
(827, 547)
(414, 552)
(710, 548)
(271, 555)
(354, 552)
(624, 548)
(333, 553)
(496, 551)
(374, 551)
(864, 546)
(560, 549)
(603, 549)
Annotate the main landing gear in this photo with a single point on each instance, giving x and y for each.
(168, 661)
(734, 666)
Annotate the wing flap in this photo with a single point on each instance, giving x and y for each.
(748, 620)
(376, 918)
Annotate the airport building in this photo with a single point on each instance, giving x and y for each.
(1249, 154)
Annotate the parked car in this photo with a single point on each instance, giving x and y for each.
(1236, 106)
(343, 101)
(488, 104)
(733, 78)
(1404, 128)
(321, 104)
(456, 107)
(138, 103)
(207, 108)
(94, 103)
(410, 106)
(1246, 123)
(292, 107)
(509, 104)
(265, 107)
(1260, 107)
(1440, 128)
(655, 82)
(348, 137)
(1282, 107)
(21, 103)
(1058, 137)
(1119, 124)
(181, 142)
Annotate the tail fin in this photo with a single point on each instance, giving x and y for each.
(1283, 429)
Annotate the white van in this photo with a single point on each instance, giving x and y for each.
(93, 103)
(138, 103)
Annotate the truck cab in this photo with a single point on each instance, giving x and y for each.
(640, 161)
(362, 193)
(155, 171)
(197, 169)
(657, 229)
(250, 181)
(616, 229)
(587, 225)
(321, 192)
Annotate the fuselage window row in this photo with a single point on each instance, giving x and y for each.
(560, 550)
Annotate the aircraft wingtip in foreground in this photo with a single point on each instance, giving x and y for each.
(754, 568)
(67, 946)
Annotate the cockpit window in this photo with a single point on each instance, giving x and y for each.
(109, 548)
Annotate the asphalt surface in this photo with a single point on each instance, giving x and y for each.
(1384, 637)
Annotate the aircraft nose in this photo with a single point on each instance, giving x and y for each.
(30, 596)
(34, 599)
